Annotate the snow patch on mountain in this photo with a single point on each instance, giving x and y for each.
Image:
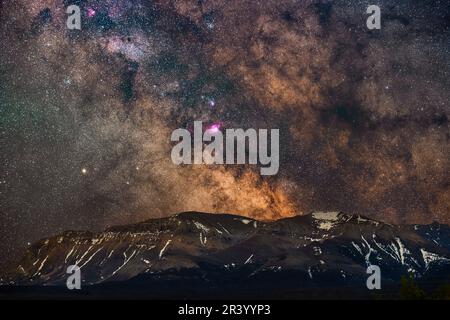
(430, 257)
(161, 253)
(41, 266)
(126, 260)
(203, 239)
(201, 226)
(249, 260)
(326, 220)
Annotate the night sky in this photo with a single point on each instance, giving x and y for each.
(86, 115)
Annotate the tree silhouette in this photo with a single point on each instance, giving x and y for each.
(409, 290)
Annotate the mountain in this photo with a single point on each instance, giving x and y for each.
(199, 254)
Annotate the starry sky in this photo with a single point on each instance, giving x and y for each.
(86, 115)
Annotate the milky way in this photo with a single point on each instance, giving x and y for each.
(86, 115)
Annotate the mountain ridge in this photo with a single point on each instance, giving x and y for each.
(322, 248)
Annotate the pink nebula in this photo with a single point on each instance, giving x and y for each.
(91, 12)
(215, 127)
